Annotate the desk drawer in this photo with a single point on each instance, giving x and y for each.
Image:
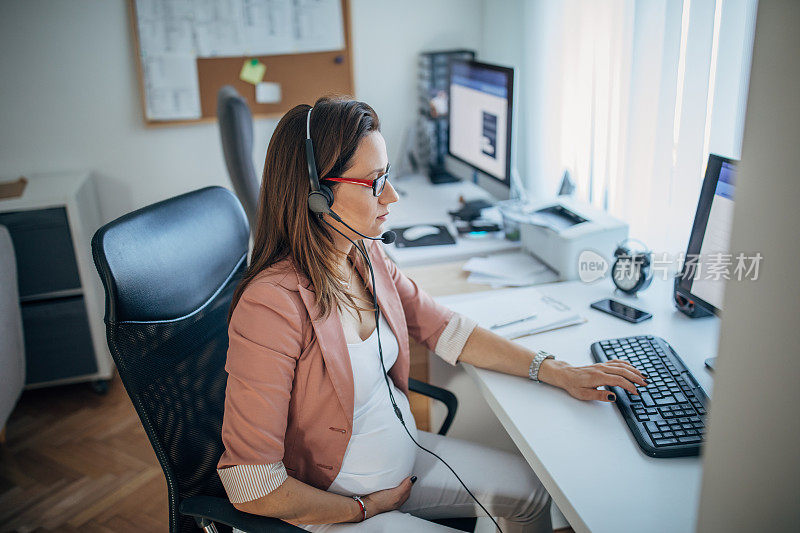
(58, 343)
(43, 246)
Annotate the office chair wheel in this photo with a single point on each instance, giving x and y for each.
(100, 386)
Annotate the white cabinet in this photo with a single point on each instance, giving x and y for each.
(61, 295)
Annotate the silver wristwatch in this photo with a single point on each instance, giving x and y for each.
(533, 371)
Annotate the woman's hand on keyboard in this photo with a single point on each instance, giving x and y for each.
(582, 382)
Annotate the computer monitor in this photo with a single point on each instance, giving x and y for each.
(711, 234)
(479, 120)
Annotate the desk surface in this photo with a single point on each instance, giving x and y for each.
(583, 451)
(424, 203)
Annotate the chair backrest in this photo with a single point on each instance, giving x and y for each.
(169, 271)
(236, 132)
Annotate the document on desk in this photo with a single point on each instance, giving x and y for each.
(514, 313)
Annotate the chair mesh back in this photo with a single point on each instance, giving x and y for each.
(174, 373)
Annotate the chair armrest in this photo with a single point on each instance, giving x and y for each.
(221, 510)
(437, 393)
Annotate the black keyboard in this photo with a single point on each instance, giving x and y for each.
(668, 416)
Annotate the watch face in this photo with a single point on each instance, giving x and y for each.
(626, 274)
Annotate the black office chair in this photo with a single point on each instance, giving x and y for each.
(236, 133)
(169, 271)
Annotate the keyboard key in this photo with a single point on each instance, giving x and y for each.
(647, 399)
(665, 442)
(690, 439)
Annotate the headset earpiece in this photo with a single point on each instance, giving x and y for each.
(320, 199)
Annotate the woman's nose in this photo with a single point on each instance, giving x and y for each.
(389, 195)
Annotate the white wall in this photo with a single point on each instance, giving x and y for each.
(69, 94)
(751, 465)
(388, 35)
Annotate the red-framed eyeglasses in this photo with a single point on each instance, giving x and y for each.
(377, 184)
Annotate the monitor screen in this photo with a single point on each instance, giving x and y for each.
(480, 103)
(711, 233)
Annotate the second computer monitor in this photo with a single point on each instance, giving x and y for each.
(481, 97)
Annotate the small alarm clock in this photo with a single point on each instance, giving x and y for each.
(631, 271)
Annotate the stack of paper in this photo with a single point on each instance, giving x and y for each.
(514, 269)
(514, 313)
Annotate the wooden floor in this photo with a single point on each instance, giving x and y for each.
(77, 461)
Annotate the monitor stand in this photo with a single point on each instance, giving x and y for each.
(438, 176)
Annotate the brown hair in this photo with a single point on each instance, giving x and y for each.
(285, 225)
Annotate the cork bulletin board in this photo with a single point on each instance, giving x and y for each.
(179, 83)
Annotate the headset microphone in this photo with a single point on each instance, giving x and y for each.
(388, 237)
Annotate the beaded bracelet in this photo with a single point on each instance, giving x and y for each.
(363, 508)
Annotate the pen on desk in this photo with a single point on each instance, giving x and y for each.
(504, 324)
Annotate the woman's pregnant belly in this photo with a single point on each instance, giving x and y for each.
(380, 453)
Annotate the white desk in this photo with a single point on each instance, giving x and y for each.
(583, 451)
(424, 203)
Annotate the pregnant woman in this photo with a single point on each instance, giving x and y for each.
(317, 427)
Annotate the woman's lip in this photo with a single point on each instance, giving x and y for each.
(383, 216)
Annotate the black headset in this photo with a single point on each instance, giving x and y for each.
(320, 200)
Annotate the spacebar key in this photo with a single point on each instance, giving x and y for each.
(647, 399)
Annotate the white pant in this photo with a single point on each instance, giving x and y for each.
(503, 482)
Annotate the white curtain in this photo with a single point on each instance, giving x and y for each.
(639, 92)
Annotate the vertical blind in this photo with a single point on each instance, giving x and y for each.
(645, 90)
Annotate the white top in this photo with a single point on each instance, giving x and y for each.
(380, 454)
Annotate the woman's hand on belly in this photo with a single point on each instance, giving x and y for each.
(387, 500)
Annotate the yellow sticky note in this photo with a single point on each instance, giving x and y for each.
(252, 71)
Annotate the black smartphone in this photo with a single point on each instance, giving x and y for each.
(621, 310)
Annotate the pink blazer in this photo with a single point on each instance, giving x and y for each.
(290, 388)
